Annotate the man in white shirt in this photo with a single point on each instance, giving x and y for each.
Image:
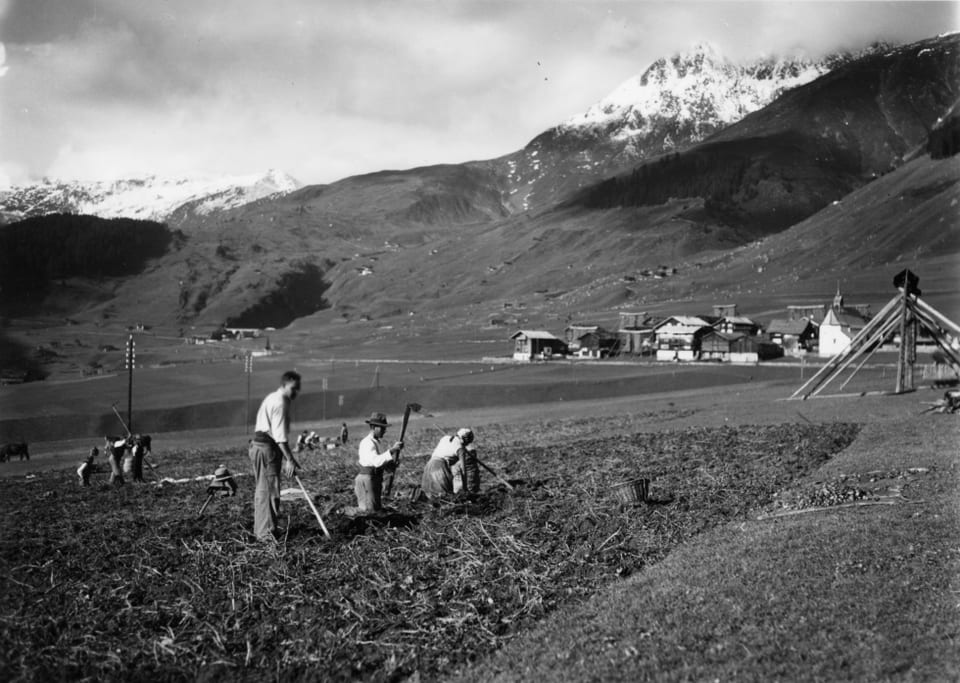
(267, 449)
(373, 456)
(452, 466)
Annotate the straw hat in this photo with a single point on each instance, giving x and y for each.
(378, 420)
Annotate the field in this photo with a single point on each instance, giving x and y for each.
(131, 583)
(554, 579)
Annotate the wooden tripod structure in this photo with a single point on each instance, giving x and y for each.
(904, 314)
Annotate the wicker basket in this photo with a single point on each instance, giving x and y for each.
(633, 491)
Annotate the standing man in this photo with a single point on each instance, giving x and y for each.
(267, 449)
(343, 434)
(373, 456)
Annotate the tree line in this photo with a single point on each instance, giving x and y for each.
(37, 251)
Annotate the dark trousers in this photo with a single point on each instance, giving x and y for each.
(265, 459)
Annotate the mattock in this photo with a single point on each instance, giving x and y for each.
(411, 407)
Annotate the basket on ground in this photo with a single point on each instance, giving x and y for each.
(633, 491)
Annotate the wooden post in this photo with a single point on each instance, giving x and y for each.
(902, 353)
(248, 371)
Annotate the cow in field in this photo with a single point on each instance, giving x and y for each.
(8, 451)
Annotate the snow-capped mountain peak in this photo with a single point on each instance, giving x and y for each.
(149, 197)
(699, 87)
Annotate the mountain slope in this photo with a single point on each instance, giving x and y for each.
(674, 103)
(454, 242)
(810, 147)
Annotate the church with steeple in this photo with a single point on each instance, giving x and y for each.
(840, 325)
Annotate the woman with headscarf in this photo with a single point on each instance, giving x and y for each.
(446, 471)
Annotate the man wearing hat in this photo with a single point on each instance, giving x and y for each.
(373, 456)
(453, 466)
(268, 448)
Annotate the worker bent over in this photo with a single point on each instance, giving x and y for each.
(453, 466)
(373, 457)
(115, 448)
(86, 467)
(268, 449)
(140, 449)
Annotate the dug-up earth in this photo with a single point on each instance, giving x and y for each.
(850, 574)
(815, 540)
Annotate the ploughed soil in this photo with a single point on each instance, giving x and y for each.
(131, 582)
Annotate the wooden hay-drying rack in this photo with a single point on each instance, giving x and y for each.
(905, 313)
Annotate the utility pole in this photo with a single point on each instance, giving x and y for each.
(248, 371)
(130, 359)
(324, 409)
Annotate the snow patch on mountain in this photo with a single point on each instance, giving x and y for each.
(700, 87)
(147, 198)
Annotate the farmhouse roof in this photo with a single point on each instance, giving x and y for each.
(737, 320)
(673, 328)
(682, 321)
(844, 317)
(781, 326)
(728, 336)
(533, 334)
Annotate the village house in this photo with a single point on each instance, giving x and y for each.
(736, 347)
(793, 336)
(636, 332)
(678, 337)
(530, 344)
(576, 330)
(597, 344)
(737, 324)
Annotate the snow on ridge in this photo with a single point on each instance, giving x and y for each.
(150, 197)
(689, 84)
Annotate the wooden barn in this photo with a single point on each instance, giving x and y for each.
(793, 336)
(530, 344)
(736, 348)
(637, 333)
(574, 331)
(598, 344)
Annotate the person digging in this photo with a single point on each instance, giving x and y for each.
(86, 467)
(373, 456)
(268, 448)
(453, 467)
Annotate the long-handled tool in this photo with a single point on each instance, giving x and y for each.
(388, 484)
(312, 506)
(205, 504)
(145, 458)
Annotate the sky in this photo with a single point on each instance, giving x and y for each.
(102, 89)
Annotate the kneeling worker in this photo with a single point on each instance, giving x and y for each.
(453, 466)
(373, 456)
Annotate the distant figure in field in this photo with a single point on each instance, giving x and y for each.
(7, 451)
(86, 467)
(373, 456)
(139, 450)
(453, 466)
(344, 434)
(302, 441)
(115, 446)
(268, 449)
